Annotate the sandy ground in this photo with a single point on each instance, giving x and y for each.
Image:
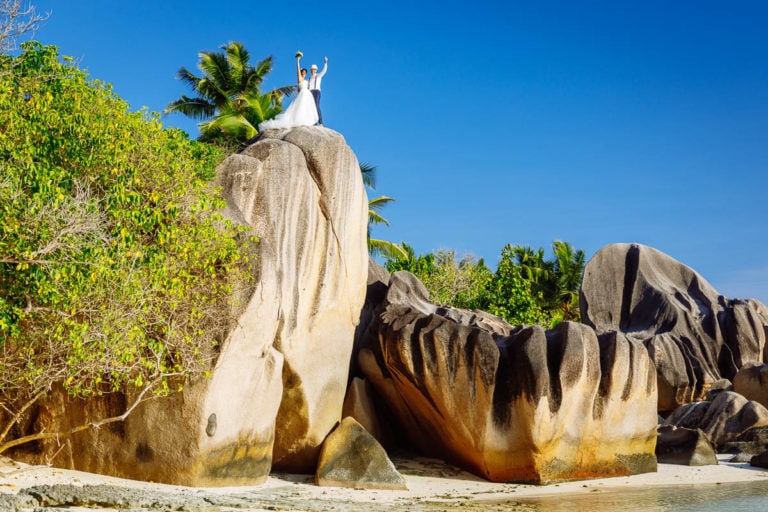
(432, 485)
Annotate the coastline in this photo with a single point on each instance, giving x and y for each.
(432, 485)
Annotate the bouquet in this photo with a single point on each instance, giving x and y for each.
(299, 55)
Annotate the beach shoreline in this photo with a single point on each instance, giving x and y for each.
(432, 485)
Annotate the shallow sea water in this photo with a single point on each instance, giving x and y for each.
(736, 497)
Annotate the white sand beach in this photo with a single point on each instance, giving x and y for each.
(432, 485)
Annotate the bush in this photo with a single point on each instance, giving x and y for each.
(115, 268)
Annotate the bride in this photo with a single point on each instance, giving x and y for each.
(302, 112)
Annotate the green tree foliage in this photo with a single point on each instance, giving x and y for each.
(526, 288)
(229, 98)
(115, 269)
(460, 283)
(555, 283)
(510, 295)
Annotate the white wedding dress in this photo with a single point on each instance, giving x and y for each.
(302, 112)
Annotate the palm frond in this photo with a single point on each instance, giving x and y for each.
(261, 108)
(237, 61)
(369, 174)
(286, 91)
(211, 90)
(187, 77)
(262, 69)
(215, 67)
(196, 108)
(377, 203)
(234, 125)
(389, 250)
(376, 218)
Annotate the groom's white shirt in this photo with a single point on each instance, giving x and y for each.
(315, 81)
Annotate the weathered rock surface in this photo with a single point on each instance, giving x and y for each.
(512, 404)
(751, 381)
(359, 405)
(684, 446)
(351, 457)
(748, 444)
(694, 335)
(760, 460)
(283, 362)
(723, 419)
(718, 387)
(302, 192)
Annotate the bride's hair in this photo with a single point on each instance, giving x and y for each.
(303, 71)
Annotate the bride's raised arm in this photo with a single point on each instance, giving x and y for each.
(298, 68)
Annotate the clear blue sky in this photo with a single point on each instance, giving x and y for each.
(495, 122)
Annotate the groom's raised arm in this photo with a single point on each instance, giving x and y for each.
(325, 68)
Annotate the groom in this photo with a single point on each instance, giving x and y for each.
(314, 86)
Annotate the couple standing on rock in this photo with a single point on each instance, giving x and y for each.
(305, 109)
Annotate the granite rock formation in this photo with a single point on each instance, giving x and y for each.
(747, 444)
(359, 404)
(301, 193)
(351, 457)
(760, 460)
(511, 403)
(723, 419)
(751, 381)
(684, 446)
(694, 335)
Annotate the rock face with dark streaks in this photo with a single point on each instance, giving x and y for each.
(751, 381)
(512, 403)
(694, 335)
(723, 419)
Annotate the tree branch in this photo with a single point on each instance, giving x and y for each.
(18, 414)
(94, 424)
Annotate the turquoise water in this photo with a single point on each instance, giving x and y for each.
(752, 497)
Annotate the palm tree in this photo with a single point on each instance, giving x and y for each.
(568, 271)
(534, 269)
(229, 94)
(554, 283)
(377, 247)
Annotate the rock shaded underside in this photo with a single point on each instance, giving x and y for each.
(512, 404)
(694, 335)
(684, 446)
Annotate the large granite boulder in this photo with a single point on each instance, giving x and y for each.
(277, 387)
(751, 381)
(694, 335)
(747, 444)
(351, 457)
(302, 191)
(684, 447)
(511, 403)
(723, 419)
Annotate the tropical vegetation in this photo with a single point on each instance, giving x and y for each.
(115, 271)
(229, 100)
(525, 288)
